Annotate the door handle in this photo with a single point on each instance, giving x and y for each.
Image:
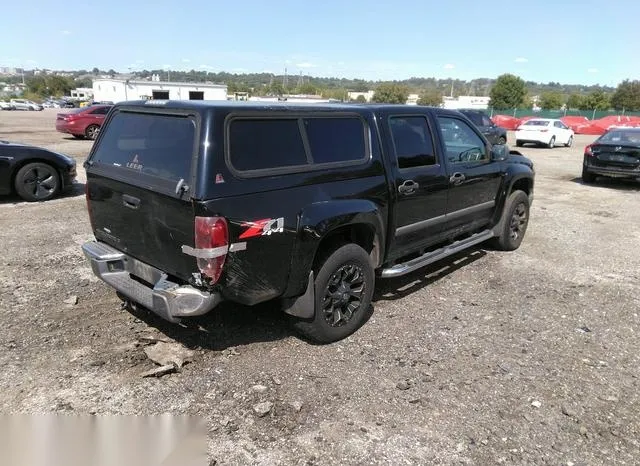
(408, 187)
(130, 201)
(457, 178)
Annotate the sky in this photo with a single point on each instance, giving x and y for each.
(567, 41)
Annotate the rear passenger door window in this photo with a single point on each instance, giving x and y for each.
(412, 141)
(462, 143)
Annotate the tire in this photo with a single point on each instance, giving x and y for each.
(346, 267)
(569, 142)
(37, 182)
(514, 222)
(552, 142)
(501, 140)
(519, 143)
(91, 132)
(587, 176)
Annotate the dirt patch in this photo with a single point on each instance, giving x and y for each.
(525, 357)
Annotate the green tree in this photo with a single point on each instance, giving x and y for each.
(307, 88)
(83, 82)
(96, 71)
(391, 93)
(574, 101)
(596, 100)
(430, 97)
(361, 99)
(275, 88)
(627, 96)
(550, 101)
(50, 85)
(509, 91)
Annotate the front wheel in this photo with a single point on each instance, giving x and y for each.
(344, 282)
(501, 140)
(37, 182)
(514, 222)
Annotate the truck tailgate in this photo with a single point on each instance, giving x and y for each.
(139, 185)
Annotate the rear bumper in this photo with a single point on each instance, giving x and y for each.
(616, 172)
(150, 287)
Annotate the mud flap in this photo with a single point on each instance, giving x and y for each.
(302, 306)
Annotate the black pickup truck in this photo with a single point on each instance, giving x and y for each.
(192, 203)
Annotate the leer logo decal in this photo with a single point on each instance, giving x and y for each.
(262, 227)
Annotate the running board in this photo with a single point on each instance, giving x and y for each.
(434, 256)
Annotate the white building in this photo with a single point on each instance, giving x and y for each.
(118, 90)
(466, 101)
(412, 99)
(82, 93)
(353, 95)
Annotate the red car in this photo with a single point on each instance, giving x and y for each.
(83, 122)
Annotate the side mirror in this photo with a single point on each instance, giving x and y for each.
(499, 152)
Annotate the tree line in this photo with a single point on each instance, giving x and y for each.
(506, 92)
(510, 92)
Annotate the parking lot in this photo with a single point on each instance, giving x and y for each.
(525, 357)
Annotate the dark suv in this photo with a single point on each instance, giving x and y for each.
(192, 203)
(494, 133)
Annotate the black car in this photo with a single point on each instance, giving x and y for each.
(494, 133)
(193, 203)
(34, 173)
(614, 154)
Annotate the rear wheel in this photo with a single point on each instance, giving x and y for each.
(569, 142)
(344, 282)
(552, 142)
(92, 131)
(37, 182)
(587, 176)
(514, 223)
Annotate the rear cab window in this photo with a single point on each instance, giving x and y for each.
(155, 146)
(270, 145)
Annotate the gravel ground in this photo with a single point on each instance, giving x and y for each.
(529, 357)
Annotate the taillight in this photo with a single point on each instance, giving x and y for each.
(587, 151)
(212, 240)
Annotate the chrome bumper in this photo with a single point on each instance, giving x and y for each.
(167, 299)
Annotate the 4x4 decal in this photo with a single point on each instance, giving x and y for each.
(263, 227)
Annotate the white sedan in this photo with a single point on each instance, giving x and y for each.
(546, 131)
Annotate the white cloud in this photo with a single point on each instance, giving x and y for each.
(521, 60)
(306, 64)
(206, 67)
(186, 60)
(449, 66)
(593, 70)
(65, 32)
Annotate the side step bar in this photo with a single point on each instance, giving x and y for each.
(434, 256)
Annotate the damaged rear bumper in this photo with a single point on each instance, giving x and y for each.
(146, 285)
